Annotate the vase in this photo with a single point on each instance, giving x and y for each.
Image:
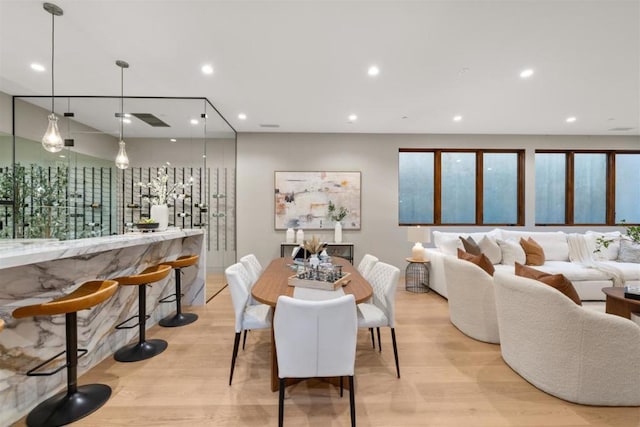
(290, 235)
(160, 214)
(337, 233)
(300, 237)
(314, 261)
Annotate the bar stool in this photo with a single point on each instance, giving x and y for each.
(1, 325)
(143, 349)
(76, 402)
(180, 318)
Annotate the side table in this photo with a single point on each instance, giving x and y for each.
(417, 275)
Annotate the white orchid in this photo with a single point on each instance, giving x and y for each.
(160, 190)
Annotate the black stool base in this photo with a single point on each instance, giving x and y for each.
(140, 351)
(65, 408)
(178, 320)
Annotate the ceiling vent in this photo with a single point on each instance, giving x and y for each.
(269, 125)
(620, 129)
(151, 120)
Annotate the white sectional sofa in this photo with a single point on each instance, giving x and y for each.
(569, 254)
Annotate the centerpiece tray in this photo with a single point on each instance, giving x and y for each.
(319, 284)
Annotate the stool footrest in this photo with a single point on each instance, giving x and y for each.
(32, 372)
(166, 299)
(120, 325)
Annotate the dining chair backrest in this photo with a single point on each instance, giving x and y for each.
(253, 266)
(315, 338)
(239, 282)
(384, 278)
(368, 261)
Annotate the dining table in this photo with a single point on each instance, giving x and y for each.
(274, 282)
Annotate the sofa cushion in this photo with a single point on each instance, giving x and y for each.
(470, 245)
(480, 260)
(557, 281)
(533, 251)
(610, 253)
(630, 270)
(512, 252)
(554, 243)
(575, 271)
(449, 242)
(629, 251)
(490, 248)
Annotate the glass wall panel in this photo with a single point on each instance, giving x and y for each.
(628, 188)
(500, 188)
(416, 187)
(550, 188)
(458, 188)
(590, 188)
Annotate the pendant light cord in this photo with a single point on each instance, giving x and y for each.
(121, 102)
(53, 21)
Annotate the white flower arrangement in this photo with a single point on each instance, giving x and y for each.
(160, 190)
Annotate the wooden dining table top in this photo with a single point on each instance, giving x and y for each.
(273, 281)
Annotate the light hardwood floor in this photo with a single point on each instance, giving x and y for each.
(447, 379)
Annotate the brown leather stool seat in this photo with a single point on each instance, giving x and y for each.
(180, 318)
(1, 325)
(76, 402)
(143, 349)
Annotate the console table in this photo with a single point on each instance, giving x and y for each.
(342, 250)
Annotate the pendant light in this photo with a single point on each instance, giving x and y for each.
(122, 161)
(52, 141)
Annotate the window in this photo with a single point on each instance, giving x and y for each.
(455, 187)
(587, 187)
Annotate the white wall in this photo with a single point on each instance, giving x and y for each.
(376, 156)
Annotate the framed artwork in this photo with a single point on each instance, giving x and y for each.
(305, 199)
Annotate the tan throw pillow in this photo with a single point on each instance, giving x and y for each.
(480, 260)
(470, 246)
(533, 251)
(557, 281)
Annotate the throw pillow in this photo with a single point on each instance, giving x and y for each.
(470, 246)
(629, 251)
(533, 251)
(512, 252)
(557, 281)
(491, 249)
(480, 260)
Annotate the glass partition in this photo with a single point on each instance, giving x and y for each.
(78, 192)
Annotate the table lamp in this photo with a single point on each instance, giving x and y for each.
(418, 235)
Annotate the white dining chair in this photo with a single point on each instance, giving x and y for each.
(380, 310)
(368, 261)
(248, 316)
(253, 266)
(316, 339)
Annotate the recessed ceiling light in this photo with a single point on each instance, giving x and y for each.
(37, 67)
(457, 118)
(353, 117)
(194, 122)
(525, 74)
(207, 69)
(126, 121)
(373, 70)
(242, 116)
(570, 119)
(173, 140)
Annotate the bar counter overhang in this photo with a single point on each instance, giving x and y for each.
(32, 272)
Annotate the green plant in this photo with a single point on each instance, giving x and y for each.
(336, 214)
(632, 231)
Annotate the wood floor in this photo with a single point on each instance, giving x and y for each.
(447, 379)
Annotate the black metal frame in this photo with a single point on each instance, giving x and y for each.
(180, 318)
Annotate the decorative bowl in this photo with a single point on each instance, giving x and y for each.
(147, 225)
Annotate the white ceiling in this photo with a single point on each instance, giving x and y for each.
(302, 65)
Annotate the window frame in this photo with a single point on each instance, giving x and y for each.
(479, 187)
(610, 189)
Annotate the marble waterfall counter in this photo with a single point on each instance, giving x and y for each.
(32, 272)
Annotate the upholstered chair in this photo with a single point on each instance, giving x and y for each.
(366, 264)
(253, 266)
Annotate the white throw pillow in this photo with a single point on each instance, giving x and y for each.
(512, 252)
(447, 243)
(491, 249)
(609, 253)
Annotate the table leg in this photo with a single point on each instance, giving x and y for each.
(618, 307)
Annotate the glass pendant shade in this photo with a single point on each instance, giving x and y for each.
(52, 141)
(122, 161)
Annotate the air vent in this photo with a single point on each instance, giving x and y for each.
(620, 129)
(151, 120)
(269, 125)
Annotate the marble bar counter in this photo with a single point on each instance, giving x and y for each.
(36, 271)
